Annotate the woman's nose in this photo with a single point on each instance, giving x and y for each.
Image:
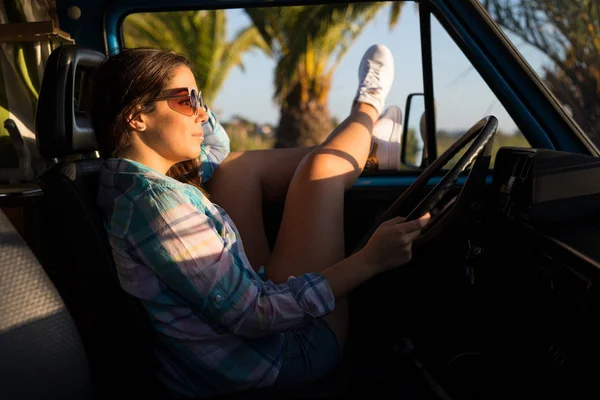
(202, 116)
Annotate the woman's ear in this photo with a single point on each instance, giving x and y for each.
(137, 120)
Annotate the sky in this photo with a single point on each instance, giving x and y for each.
(462, 96)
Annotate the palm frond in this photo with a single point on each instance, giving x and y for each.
(265, 21)
(275, 24)
(151, 30)
(395, 12)
(232, 54)
(206, 48)
(199, 35)
(330, 30)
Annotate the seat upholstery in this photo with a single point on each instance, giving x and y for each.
(41, 352)
(115, 334)
(62, 127)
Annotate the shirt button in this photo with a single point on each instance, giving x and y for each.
(218, 298)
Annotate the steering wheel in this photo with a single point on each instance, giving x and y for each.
(478, 153)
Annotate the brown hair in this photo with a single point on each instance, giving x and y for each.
(126, 83)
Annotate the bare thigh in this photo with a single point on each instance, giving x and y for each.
(311, 235)
(241, 185)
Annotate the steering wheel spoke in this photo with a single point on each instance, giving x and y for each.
(478, 155)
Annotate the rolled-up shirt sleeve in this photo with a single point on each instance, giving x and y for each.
(199, 261)
(215, 147)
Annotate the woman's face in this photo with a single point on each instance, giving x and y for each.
(175, 137)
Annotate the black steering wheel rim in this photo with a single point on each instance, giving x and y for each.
(482, 132)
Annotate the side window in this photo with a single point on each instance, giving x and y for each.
(462, 97)
(269, 86)
(241, 61)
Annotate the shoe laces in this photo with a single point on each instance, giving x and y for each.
(371, 81)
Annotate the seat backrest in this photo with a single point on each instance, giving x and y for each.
(41, 353)
(115, 330)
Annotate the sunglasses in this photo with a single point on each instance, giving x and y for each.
(184, 103)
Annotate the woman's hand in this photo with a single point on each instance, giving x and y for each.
(389, 247)
(391, 244)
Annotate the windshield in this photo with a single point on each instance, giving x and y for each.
(560, 39)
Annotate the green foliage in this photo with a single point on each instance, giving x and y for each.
(20, 61)
(254, 142)
(568, 32)
(199, 35)
(308, 42)
(444, 141)
(500, 140)
(414, 147)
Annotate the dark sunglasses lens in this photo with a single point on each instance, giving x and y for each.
(194, 101)
(180, 106)
(201, 100)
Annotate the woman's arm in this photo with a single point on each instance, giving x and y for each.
(203, 263)
(215, 147)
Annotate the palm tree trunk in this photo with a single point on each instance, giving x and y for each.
(303, 123)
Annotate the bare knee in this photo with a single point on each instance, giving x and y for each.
(327, 164)
(236, 171)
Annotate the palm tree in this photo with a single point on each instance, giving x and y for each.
(199, 35)
(308, 43)
(568, 33)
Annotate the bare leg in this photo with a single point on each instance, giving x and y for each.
(311, 236)
(243, 182)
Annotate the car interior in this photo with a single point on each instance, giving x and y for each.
(499, 301)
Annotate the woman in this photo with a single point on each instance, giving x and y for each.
(233, 317)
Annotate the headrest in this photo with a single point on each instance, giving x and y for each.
(62, 127)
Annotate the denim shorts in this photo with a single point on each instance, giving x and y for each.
(309, 353)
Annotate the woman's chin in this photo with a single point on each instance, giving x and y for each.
(194, 155)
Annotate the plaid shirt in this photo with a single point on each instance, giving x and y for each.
(221, 323)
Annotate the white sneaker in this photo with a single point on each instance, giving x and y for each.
(375, 76)
(387, 137)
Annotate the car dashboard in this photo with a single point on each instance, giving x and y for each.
(556, 194)
(537, 277)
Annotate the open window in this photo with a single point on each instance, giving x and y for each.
(461, 98)
(267, 82)
(243, 58)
